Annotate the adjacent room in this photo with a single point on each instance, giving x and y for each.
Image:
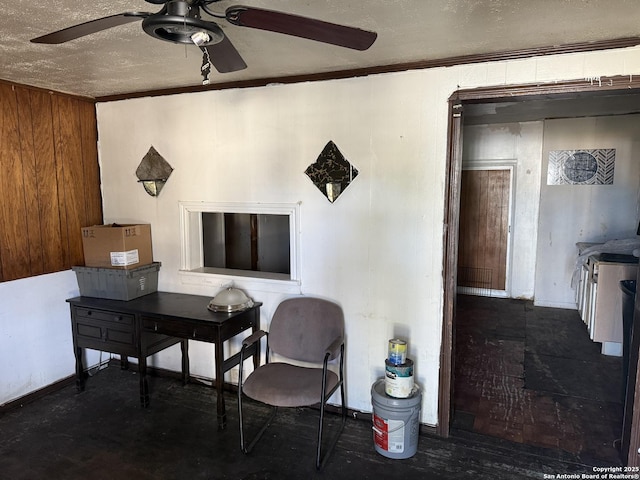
(529, 365)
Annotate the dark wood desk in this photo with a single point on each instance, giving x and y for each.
(144, 326)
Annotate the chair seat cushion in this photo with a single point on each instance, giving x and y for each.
(285, 385)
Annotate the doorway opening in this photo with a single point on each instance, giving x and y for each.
(516, 100)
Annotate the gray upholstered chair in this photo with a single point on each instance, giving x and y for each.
(304, 329)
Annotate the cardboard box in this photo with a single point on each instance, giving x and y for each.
(117, 246)
(117, 284)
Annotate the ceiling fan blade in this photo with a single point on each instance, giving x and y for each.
(303, 27)
(92, 26)
(224, 56)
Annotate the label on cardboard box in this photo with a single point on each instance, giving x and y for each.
(122, 259)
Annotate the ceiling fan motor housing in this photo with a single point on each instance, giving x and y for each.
(178, 21)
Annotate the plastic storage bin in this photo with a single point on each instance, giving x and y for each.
(117, 284)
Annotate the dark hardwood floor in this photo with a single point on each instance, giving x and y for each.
(532, 376)
(103, 433)
(534, 397)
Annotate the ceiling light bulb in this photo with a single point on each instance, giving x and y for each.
(200, 38)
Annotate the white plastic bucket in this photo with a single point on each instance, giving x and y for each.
(395, 422)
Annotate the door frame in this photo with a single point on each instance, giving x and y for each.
(569, 89)
(510, 166)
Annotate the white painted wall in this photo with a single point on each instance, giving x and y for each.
(377, 250)
(585, 213)
(35, 334)
(364, 251)
(518, 145)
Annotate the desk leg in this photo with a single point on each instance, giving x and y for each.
(144, 386)
(79, 370)
(221, 411)
(184, 346)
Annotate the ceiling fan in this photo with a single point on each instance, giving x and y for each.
(180, 21)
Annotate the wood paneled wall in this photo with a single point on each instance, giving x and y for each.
(49, 180)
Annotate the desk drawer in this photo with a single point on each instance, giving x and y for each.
(105, 334)
(181, 329)
(92, 314)
(240, 323)
(104, 330)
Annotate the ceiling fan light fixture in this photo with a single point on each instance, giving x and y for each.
(177, 29)
(200, 38)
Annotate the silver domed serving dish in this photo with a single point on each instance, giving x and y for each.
(230, 300)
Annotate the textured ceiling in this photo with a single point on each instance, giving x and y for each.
(125, 60)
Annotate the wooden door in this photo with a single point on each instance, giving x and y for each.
(484, 231)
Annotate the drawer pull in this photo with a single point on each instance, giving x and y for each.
(194, 333)
(155, 326)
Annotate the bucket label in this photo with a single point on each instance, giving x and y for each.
(388, 435)
(398, 379)
(398, 387)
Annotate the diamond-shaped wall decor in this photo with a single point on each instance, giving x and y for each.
(331, 173)
(153, 172)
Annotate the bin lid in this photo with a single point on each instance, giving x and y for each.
(120, 272)
(379, 395)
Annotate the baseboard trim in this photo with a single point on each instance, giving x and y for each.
(562, 305)
(47, 390)
(37, 394)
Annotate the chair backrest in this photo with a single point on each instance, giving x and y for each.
(303, 327)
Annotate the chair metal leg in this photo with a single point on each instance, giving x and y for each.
(243, 446)
(325, 396)
(320, 460)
